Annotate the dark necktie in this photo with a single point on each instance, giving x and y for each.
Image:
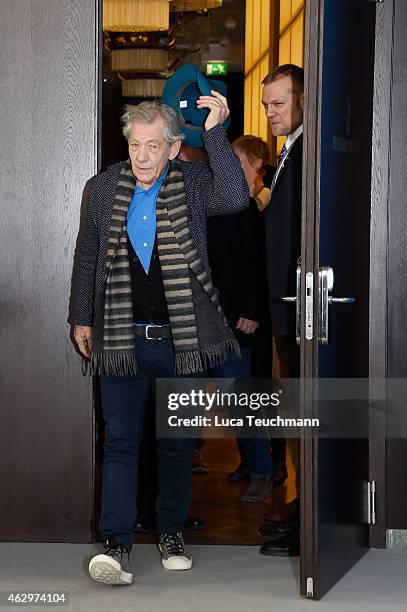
(282, 153)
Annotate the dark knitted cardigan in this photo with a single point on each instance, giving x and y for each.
(211, 189)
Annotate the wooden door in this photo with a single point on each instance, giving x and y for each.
(339, 67)
(48, 140)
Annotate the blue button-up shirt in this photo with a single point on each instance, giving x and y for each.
(141, 220)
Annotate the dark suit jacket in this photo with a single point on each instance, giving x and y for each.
(236, 258)
(283, 240)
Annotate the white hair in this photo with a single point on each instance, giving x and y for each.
(146, 112)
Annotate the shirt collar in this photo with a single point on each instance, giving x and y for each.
(291, 138)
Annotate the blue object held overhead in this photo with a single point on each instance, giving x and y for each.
(181, 93)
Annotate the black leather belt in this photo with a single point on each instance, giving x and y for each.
(153, 332)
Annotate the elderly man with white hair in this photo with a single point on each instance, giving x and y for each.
(144, 307)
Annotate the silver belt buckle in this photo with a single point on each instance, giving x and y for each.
(146, 331)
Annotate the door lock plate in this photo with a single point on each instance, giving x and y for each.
(309, 305)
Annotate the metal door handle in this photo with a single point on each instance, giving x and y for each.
(326, 283)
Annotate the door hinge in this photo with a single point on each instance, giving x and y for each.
(371, 502)
(310, 588)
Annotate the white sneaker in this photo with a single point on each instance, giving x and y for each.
(108, 567)
(173, 555)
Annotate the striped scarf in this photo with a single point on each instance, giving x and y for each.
(200, 333)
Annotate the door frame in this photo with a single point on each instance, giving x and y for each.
(379, 244)
(309, 250)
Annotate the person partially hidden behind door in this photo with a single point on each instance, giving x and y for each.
(236, 256)
(144, 307)
(283, 102)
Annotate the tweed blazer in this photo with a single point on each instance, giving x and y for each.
(215, 188)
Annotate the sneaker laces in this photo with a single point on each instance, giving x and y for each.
(173, 543)
(117, 551)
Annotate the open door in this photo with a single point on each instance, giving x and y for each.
(339, 68)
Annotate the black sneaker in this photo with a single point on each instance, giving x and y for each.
(108, 567)
(173, 555)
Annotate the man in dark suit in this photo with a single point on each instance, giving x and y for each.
(283, 102)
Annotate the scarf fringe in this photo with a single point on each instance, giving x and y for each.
(113, 365)
(194, 362)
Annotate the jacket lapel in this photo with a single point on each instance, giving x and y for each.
(286, 162)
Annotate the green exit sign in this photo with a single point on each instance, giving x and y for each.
(216, 68)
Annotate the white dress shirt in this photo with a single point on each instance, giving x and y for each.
(291, 138)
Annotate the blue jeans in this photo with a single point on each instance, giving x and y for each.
(123, 403)
(255, 452)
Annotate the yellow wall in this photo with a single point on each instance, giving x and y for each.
(291, 38)
(257, 54)
(291, 43)
(256, 64)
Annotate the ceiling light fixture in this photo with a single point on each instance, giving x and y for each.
(135, 15)
(194, 5)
